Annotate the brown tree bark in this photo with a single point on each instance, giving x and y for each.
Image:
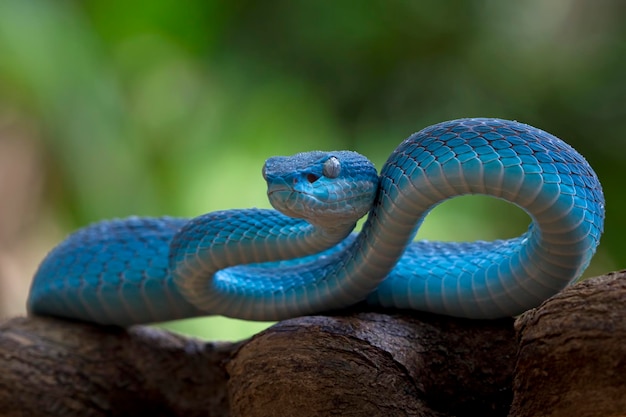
(572, 352)
(54, 367)
(570, 361)
(375, 364)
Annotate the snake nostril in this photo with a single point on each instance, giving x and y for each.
(312, 178)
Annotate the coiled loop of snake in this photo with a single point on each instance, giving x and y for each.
(266, 265)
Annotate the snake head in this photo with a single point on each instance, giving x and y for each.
(324, 188)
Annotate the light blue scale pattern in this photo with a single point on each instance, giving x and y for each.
(238, 262)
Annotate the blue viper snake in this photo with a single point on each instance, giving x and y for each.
(302, 258)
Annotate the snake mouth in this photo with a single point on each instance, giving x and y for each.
(279, 193)
(289, 192)
(303, 205)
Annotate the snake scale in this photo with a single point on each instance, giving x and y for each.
(303, 258)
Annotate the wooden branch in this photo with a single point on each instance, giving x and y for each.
(58, 368)
(375, 364)
(572, 352)
(571, 361)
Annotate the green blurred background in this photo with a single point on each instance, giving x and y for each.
(111, 108)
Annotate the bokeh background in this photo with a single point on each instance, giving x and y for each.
(112, 108)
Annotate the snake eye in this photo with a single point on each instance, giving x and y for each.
(332, 167)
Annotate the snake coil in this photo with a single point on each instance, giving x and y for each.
(269, 265)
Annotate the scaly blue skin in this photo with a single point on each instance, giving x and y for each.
(239, 263)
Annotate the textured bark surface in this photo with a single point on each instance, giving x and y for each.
(57, 368)
(569, 358)
(572, 352)
(375, 364)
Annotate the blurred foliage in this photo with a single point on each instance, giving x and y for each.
(165, 107)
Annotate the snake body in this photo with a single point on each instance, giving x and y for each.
(302, 257)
